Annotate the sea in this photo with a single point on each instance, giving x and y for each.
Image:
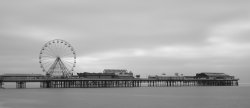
(139, 97)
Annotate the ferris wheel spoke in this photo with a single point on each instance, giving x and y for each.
(47, 66)
(50, 60)
(68, 54)
(68, 57)
(69, 62)
(57, 48)
(48, 49)
(70, 67)
(48, 52)
(54, 48)
(47, 56)
(51, 50)
(60, 45)
(47, 59)
(47, 62)
(62, 51)
(65, 45)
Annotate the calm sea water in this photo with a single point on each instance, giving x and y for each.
(144, 97)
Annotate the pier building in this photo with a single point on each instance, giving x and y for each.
(213, 75)
(21, 76)
(97, 75)
(121, 73)
(160, 77)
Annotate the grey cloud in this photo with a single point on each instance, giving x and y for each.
(16, 46)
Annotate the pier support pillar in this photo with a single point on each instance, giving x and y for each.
(43, 84)
(48, 84)
(1, 85)
(20, 84)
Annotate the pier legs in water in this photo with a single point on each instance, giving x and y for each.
(90, 84)
(218, 83)
(1, 85)
(159, 83)
(20, 84)
(46, 84)
(126, 83)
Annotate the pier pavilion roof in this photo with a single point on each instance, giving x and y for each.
(115, 71)
(214, 74)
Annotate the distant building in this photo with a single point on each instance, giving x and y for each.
(121, 73)
(96, 75)
(210, 75)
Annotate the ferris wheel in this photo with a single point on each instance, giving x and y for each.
(57, 58)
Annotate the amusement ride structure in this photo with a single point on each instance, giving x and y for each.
(57, 58)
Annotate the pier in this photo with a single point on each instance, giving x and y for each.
(111, 83)
(59, 74)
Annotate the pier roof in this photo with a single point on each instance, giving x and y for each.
(214, 74)
(114, 71)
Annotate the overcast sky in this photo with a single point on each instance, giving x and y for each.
(148, 37)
